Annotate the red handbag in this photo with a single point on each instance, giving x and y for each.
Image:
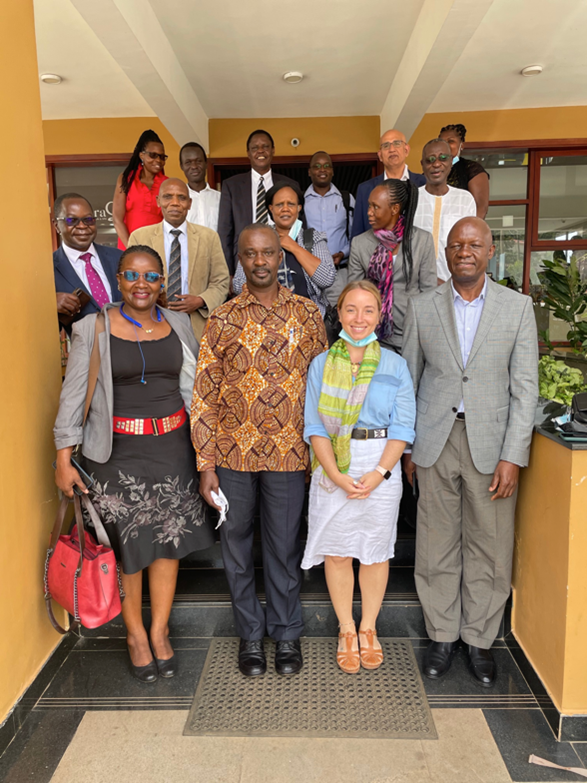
(80, 574)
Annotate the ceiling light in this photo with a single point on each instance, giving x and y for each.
(293, 77)
(531, 70)
(50, 78)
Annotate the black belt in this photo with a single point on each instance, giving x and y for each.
(461, 416)
(363, 434)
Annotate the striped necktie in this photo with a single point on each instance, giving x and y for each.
(174, 270)
(261, 211)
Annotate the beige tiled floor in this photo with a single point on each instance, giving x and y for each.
(148, 747)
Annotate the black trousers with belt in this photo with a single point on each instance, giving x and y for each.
(281, 497)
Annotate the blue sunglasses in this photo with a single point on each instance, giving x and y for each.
(132, 276)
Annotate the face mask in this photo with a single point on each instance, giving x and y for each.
(456, 157)
(295, 230)
(371, 338)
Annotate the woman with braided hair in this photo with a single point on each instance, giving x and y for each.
(466, 174)
(135, 196)
(395, 255)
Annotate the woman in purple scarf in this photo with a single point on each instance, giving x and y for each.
(397, 257)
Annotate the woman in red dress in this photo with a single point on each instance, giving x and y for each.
(135, 195)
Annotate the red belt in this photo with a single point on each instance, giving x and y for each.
(149, 426)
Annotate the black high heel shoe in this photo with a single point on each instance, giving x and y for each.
(146, 673)
(167, 668)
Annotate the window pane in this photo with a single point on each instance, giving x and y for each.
(96, 183)
(507, 169)
(557, 329)
(508, 228)
(563, 198)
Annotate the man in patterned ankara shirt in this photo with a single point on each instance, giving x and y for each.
(247, 422)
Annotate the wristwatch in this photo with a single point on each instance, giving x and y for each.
(384, 472)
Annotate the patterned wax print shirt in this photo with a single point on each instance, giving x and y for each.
(248, 406)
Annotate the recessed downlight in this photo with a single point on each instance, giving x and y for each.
(51, 78)
(531, 70)
(293, 77)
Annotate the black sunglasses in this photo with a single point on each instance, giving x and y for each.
(72, 222)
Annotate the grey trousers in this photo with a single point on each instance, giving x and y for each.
(281, 497)
(464, 547)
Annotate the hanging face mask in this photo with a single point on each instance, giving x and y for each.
(295, 230)
(456, 157)
(371, 338)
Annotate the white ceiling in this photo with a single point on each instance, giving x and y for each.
(514, 34)
(94, 85)
(234, 53)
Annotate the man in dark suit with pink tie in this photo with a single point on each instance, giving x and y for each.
(242, 199)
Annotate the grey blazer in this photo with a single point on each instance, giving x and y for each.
(423, 274)
(499, 386)
(96, 437)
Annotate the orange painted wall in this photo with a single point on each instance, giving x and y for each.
(31, 362)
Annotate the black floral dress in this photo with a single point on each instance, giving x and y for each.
(147, 492)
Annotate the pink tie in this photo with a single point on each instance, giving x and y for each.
(95, 283)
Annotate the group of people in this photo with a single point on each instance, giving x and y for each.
(218, 383)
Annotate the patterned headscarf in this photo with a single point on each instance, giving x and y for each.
(380, 272)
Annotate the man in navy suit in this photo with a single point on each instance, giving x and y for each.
(79, 263)
(393, 151)
(242, 199)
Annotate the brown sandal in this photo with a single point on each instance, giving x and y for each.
(370, 657)
(348, 659)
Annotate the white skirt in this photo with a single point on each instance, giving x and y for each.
(364, 529)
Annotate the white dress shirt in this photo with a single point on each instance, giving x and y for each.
(79, 266)
(205, 206)
(183, 243)
(467, 316)
(267, 183)
(404, 177)
(438, 214)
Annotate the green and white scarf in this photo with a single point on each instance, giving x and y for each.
(341, 401)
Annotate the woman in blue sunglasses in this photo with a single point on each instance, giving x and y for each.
(136, 447)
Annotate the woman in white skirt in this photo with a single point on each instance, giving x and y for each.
(359, 416)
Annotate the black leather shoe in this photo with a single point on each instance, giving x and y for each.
(438, 658)
(482, 666)
(167, 668)
(146, 673)
(288, 656)
(251, 658)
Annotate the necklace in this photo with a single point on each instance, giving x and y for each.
(137, 323)
(355, 367)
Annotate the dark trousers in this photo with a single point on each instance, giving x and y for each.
(281, 501)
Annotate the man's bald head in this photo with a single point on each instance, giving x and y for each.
(469, 247)
(174, 201)
(393, 151)
(259, 252)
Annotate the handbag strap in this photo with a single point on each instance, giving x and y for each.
(74, 625)
(94, 364)
(101, 534)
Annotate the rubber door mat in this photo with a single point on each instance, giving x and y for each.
(320, 701)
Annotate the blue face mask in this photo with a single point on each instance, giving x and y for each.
(455, 160)
(371, 338)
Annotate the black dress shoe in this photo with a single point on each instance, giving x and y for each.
(438, 658)
(251, 658)
(146, 673)
(288, 656)
(167, 668)
(482, 666)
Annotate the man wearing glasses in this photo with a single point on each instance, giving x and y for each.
(85, 272)
(393, 152)
(439, 205)
(242, 199)
(330, 210)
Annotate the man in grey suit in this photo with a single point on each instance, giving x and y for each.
(472, 350)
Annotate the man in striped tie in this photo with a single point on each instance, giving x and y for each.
(242, 200)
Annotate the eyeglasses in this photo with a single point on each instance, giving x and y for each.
(442, 157)
(155, 155)
(318, 166)
(150, 277)
(72, 222)
(397, 143)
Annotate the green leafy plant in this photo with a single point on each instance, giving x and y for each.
(557, 381)
(565, 294)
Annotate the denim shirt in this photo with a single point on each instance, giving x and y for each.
(389, 401)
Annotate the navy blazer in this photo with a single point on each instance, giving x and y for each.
(360, 221)
(67, 280)
(236, 211)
